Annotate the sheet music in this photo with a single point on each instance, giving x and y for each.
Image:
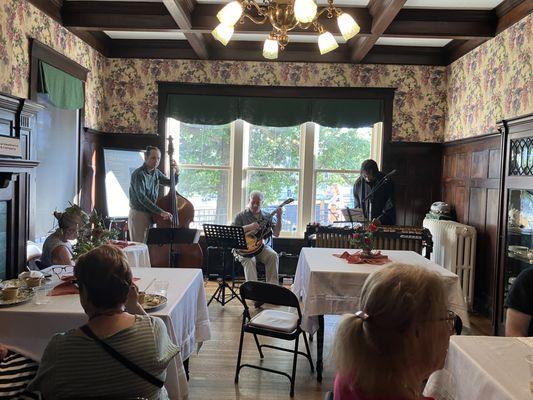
(353, 214)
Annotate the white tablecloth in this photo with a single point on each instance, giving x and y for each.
(484, 368)
(137, 255)
(27, 328)
(328, 285)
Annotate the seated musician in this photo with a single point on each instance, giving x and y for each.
(57, 249)
(144, 190)
(382, 208)
(249, 219)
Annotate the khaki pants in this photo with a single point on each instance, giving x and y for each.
(138, 223)
(268, 257)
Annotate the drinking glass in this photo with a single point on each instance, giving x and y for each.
(160, 287)
(42, 295)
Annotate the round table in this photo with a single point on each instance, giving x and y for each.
(137, 255)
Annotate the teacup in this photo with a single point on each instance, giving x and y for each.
(33, 281)
(10, 293)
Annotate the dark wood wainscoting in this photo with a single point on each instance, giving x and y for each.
(417, 180)
(470, 183)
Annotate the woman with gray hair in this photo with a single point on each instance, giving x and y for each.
(401, 335)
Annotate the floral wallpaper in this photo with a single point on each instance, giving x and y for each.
(131, 89)
(20, 21)
(492, 82)
(432, 104)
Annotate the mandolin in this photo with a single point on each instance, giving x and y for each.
(255, 241)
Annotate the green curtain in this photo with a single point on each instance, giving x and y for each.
(272, 111)
(64, 90)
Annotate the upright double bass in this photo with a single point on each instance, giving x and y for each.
(174, 254)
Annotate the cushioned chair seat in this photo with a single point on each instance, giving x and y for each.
(276, 320)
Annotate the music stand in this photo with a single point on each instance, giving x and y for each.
(170, 236)
(226, 237)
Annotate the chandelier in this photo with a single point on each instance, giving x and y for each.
(284, 16)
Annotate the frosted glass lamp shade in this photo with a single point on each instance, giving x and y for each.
(347, 26)
(305, 10)
(223, 33)
(230, 14)
(270, 49)
(327, 43)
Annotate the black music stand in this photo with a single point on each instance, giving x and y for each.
(226, 237)
(170, 236)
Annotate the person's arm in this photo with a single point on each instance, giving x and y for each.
(238, 221)
(132, 301)
(61, 256)
(356, 199)
(163, 180)
(3, 351)
(516, 323)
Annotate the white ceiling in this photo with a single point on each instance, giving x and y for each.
(148, 35)
(454, 4)
(393, 41)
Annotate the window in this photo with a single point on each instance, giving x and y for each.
(340, 154)
(203, 155)
(315, 165)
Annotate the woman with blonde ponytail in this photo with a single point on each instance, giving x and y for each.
(399, 337)
(57, 249)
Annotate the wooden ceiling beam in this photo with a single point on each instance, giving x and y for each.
(383, 12)
(511, 11)
(181, 11)
(116, 15)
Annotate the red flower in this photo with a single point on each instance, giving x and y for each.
(356, 236)
(367, 240)
(372, 228)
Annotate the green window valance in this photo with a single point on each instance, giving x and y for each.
(64, 90)
(272, 111)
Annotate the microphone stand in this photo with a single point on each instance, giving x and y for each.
(370, 196)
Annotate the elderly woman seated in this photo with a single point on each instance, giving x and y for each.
(15, 372)
(76, 364)
(401, 335)
(57, 249)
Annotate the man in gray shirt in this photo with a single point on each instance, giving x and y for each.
(144, 190)
(250, 219)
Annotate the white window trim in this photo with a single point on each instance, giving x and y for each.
(238, 169)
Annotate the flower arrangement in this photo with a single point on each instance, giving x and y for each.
(91, 231)
(363, 239)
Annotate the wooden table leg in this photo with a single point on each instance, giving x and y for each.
(319, 348)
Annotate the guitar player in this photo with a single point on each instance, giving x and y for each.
(249, 219)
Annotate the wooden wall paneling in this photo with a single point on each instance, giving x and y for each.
(470, 184)
(417, 181)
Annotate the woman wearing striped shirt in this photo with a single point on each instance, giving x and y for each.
(76, 366)
(15, 372)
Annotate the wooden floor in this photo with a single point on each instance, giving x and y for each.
(212, 371)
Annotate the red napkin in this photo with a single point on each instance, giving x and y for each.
(122, 243)
(355, 258)
(68, 286)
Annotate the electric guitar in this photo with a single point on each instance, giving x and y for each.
(255, 241)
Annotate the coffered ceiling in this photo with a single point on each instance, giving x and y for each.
(431, 32)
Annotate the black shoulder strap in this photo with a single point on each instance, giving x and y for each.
(123, 360)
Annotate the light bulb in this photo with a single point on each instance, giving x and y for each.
(223, 33)
(270, 49)
(326, 43)
(347, 26)
(305, 10)
(230, 14)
